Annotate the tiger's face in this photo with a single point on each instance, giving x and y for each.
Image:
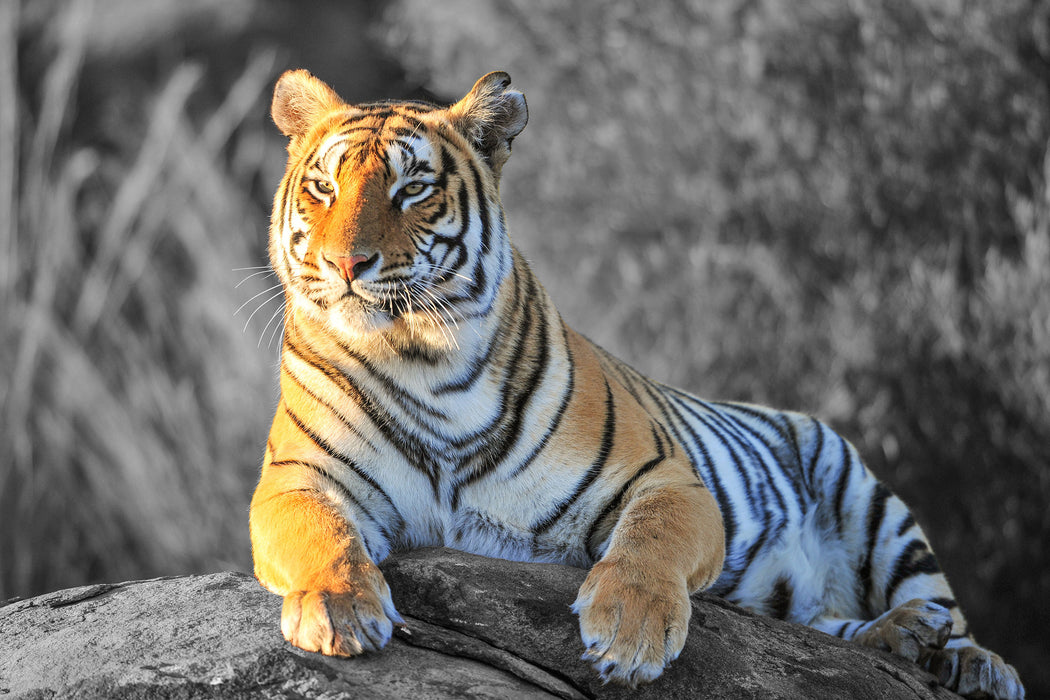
(388, 220)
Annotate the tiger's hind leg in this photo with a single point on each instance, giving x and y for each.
(913, 630)
(920, 631)
(895, 583)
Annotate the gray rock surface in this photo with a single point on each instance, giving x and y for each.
(479, 628)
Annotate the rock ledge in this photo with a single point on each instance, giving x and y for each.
(479, 627)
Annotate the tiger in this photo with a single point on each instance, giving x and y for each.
(432, 395)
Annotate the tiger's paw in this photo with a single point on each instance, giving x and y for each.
(341, 623)
(974, 672)
(913, 630)
(632, 624)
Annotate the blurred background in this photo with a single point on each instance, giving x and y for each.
(836, 206)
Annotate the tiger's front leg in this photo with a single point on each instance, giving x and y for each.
(634, 606)
(336, 600)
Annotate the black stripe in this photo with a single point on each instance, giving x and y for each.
(906, 524)
(788, 442)
(456, 242)
(515, 399)
(343, 490)
(351, 427)
(347, 131)
(632, 380)
(811, 478)
(402, 108)
(395, 395)
(367, 403)
(552, 425)
(330, 449)
(448, 162)
(518, 386)
(406, 401)
(916, 558)
(439, 213)
(471, 376)
(748, 436)
(376, 110)
(593, 471)
(749, 558)
(716, 423)
(483, 209)
(615, 504)
(845, 467)
(711, 478)
(480, 275)
(778, 604)
(417, 453)
(876, 514)
(476, 370)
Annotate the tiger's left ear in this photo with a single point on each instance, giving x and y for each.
(490, 116)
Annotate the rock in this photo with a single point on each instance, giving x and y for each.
(478, 627)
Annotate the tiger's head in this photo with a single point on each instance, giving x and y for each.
(388, 220)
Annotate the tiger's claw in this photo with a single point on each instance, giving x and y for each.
(631, 627)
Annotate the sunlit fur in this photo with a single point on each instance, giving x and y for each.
(431, 395)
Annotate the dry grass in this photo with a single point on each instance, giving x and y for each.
(134, 405)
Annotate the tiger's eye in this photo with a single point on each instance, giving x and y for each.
(324, 186)
(413, 188)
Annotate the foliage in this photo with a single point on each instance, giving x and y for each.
(134, 406)
(833, 206)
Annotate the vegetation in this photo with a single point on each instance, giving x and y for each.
(842, 208)
(134, 407)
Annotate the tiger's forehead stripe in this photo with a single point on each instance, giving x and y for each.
(412, 158)
(401, 144)
(331, 152)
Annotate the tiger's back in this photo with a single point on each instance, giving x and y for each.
(432, 395)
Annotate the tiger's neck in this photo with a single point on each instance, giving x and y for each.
(478, 361)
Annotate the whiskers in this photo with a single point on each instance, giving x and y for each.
(269, 295)
(427, 305)
(441, 273)
(422, 300)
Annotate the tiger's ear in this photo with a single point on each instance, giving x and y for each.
(299, 100)
(490, 116)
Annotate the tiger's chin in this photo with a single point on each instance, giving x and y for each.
(384, 331)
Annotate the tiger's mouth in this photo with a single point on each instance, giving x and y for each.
(351, 304)
(388, 301)
(420, 302)
(390, 308)
(369, 304)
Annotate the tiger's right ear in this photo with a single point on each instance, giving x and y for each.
(299, 101)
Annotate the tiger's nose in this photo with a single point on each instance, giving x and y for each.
(353, 266)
